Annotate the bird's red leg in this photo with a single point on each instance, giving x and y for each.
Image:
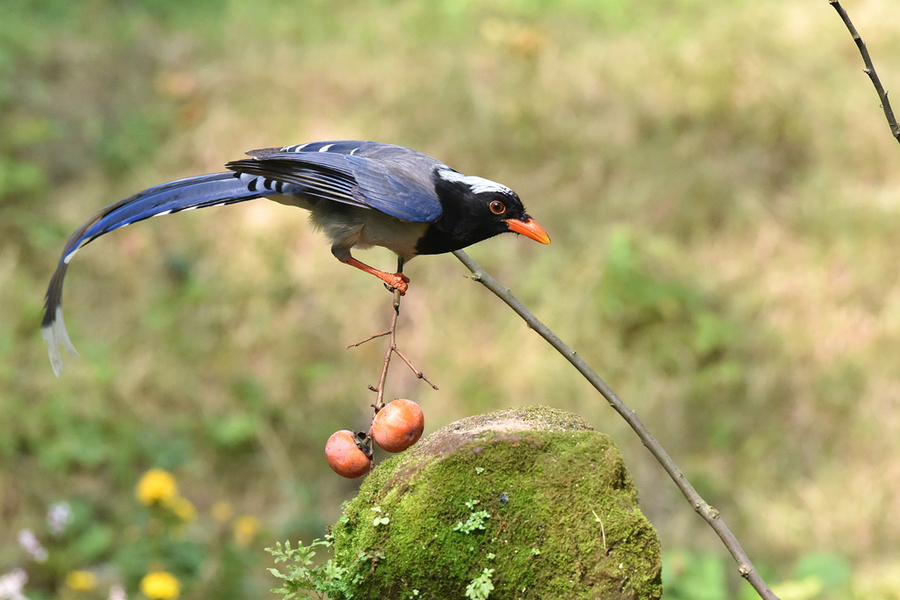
(397, 280)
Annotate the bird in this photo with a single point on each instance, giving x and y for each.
(360, 194)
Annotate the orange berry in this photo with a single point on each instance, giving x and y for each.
(345, 456)
(398, 425)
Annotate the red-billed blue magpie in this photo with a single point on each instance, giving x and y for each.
(361, 194)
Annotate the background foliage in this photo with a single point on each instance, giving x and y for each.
(718, 181)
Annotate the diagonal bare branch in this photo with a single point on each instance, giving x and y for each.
(710, 514)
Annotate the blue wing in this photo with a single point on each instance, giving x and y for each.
(391, 179)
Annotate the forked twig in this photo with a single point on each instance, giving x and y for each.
(392, 349)
(870, 69)
(710, 514)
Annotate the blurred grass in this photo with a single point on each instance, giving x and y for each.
(717, 178)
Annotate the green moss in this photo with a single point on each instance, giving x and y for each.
(563, 517)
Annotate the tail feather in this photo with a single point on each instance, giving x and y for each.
(185, 194)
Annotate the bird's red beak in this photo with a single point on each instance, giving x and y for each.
(530, 229)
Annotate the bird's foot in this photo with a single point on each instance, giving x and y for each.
(396, 281)
(393, 281)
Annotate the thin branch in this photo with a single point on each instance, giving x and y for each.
(369, 339)
(870, 69)
(419, 374)
(710, 514)
(392, 345)
(392, 349)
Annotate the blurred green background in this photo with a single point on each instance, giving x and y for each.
(722, 193)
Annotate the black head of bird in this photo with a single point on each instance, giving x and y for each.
(361, 194)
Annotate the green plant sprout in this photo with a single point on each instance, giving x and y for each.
(476, 519)
(328, 579)
(480, 587)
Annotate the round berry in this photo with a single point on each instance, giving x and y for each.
(345, 456)
(398, 425)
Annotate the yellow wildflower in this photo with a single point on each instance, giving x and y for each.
(81, 581)
(221, 511)
(183, 508)
(245, 529)
(156, 487)
(160, 585)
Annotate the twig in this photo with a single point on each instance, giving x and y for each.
(710, 514)
(392, 349)
(369, 339)
(870, 69)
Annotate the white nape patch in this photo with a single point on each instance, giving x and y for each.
(55, 334)
(326, 148)
(478, 185)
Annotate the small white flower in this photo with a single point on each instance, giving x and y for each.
(30, 544)
(117, 592)
(11, 585)
(58, 517)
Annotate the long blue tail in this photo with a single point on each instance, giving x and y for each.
(201, 191)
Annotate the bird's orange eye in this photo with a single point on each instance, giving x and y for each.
(497, 207)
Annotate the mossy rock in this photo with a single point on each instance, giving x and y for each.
(533, 493)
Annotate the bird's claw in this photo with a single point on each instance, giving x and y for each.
(396, 281)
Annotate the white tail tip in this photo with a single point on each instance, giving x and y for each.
(56, 334)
